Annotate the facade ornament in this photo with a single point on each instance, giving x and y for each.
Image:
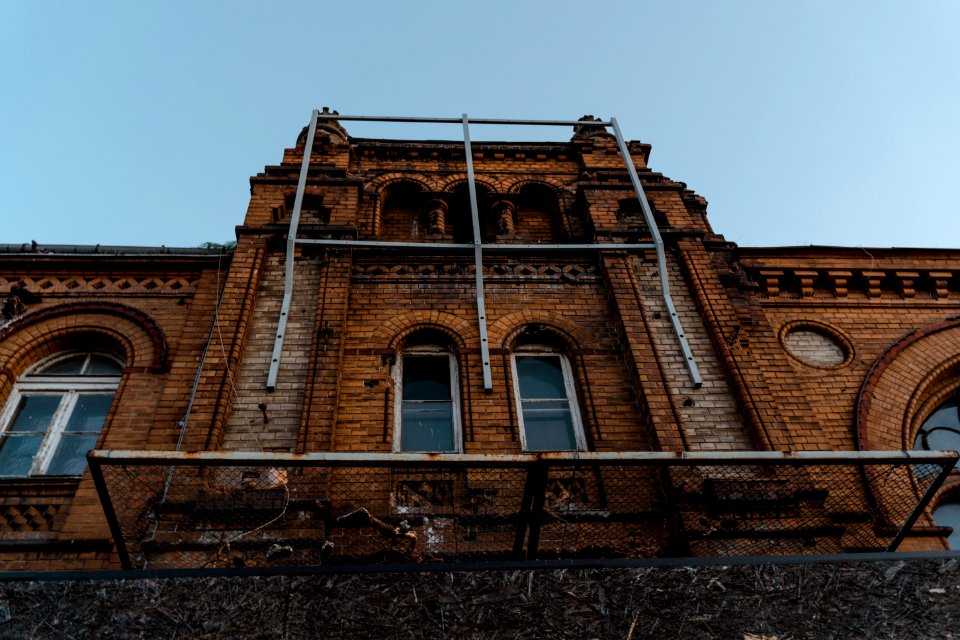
(505, 215)
(436, 216)
(589, 132)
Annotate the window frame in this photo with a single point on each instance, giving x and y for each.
(537, 350)
(426, 351)
(70, 387)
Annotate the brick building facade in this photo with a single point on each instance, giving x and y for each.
(573, 360)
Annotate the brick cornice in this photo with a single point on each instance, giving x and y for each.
(804, 282)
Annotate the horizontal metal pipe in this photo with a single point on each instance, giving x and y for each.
(545, 123)
(373, 244)
(689, 458)
(501, 565)
(493, 248)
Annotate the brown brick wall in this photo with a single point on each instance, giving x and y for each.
(156, 315)
(799, 349)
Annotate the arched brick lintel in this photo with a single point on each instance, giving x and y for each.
(515, 184)
(390, 334)
(505, 329)
(92, 317)
(454, 181)
(385, 181)
(900, 380)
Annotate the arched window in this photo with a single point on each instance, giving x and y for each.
(55, 413)
(941, 431)
(427, 398)
(947, 514)
(546, 400)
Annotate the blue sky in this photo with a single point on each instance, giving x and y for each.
(802, 123)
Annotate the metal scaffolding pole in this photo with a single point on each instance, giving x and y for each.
(477, 260)
(661, 258)
(291, 255)
(478, 246)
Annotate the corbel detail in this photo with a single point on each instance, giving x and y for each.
(941, 280)
(839, 280)
(806, 279)
(908, 280)
(770, 281)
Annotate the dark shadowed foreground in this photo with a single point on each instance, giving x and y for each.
(912, 599)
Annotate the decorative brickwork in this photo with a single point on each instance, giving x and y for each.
(799, 349)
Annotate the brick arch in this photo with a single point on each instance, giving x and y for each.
(505, 329)
(385, 180)
(129, 330)
(909, 379)
(392, 332)
(515, 183)
(455, 180)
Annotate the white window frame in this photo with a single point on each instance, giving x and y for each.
(429, 351)
(71, 387)
(568, 384)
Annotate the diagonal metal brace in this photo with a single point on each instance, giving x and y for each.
(291, 255)
(661, 258)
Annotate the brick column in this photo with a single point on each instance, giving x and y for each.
(650, 383)
(760, 376)
(216, 388)
(319, 414)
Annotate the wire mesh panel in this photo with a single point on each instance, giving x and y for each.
(227, 510)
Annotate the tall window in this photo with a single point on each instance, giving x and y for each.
(427, 401)
(548, 411)
(55, 414)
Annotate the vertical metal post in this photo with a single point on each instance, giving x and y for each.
(291, 253)
(661, 257)
(931, 491)
(108, 511)
(539, 473)
(477, 260)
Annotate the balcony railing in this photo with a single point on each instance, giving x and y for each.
(224, 509)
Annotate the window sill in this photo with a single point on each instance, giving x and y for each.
(50, 485)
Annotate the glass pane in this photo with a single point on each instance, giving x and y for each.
(35, 413)
(103, 366)
(67, 366)
(941, 439)
(17, 454)
(89, 412)
(426, 377)
(426, 426)
(941, 431)
(948, 515)
(70, 457)
(548, 426)
(540, 377)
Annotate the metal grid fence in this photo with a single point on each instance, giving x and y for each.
(174, 510)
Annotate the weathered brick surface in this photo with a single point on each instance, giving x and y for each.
(155, 314)
(247, 428)
(799, 349)
(709, 414)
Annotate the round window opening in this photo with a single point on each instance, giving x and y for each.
(941, 431)
(815, 347)
(948, 515)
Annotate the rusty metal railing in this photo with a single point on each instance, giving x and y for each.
(225, 509)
